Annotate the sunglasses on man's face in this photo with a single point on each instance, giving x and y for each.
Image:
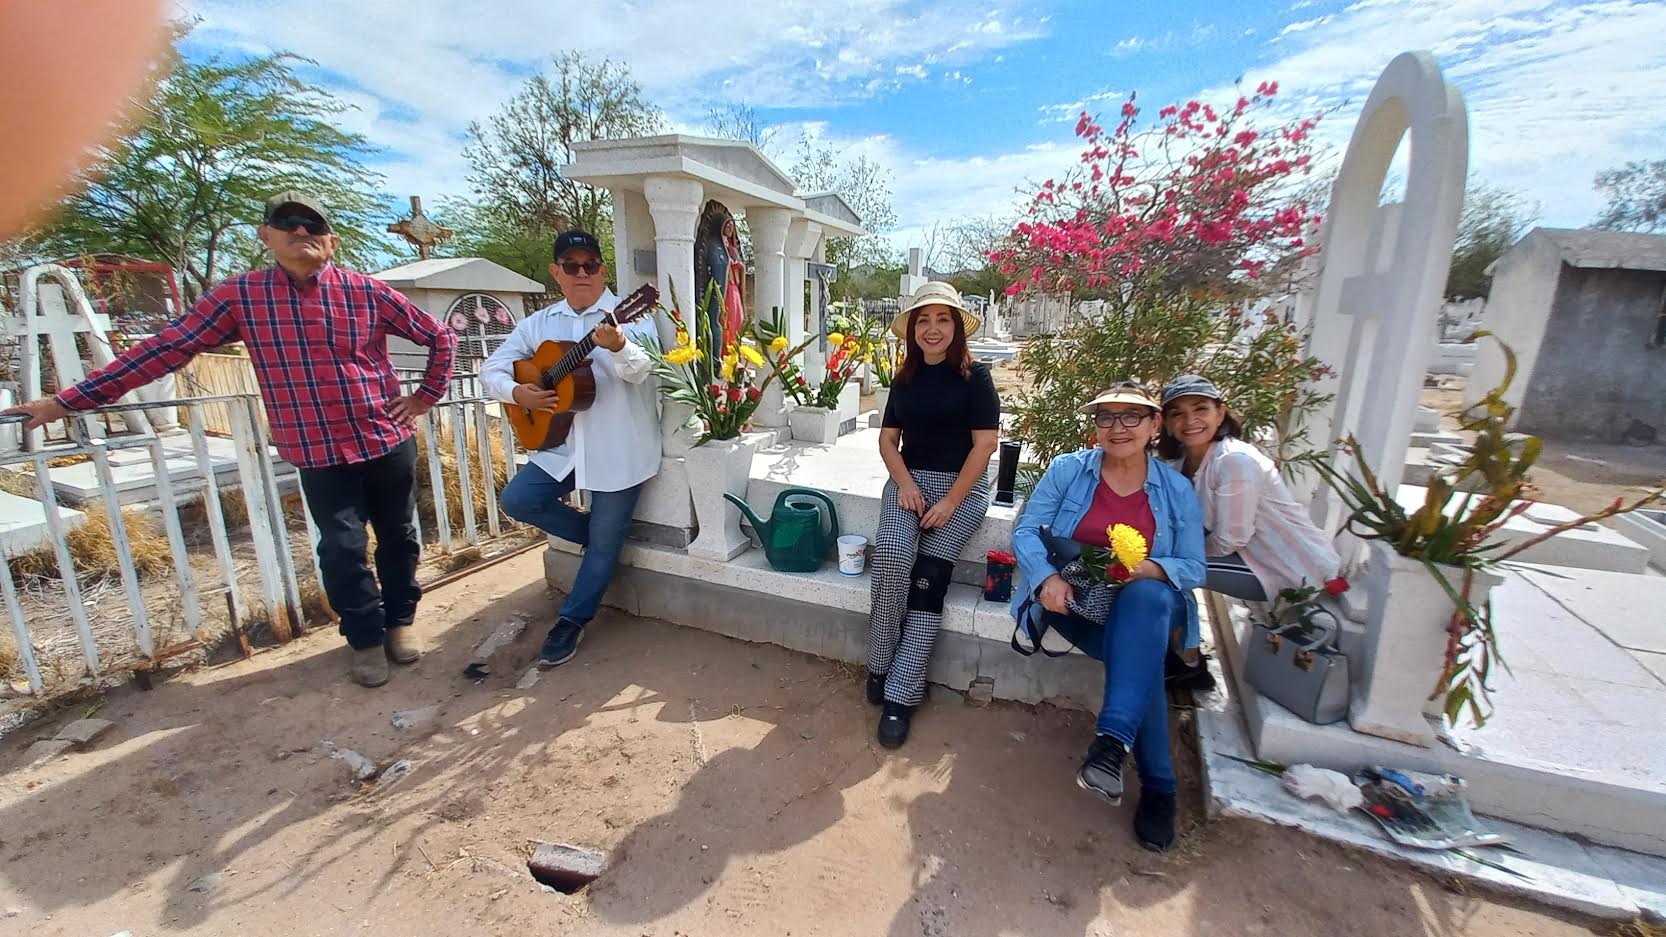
(572, 267)
(313, 226)
(1104, 419)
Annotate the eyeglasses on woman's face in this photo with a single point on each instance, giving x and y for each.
(1105, 419)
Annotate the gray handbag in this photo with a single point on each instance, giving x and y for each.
(1299, 670)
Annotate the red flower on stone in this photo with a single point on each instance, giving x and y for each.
(1336, 586)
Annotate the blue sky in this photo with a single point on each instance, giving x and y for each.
(965, 100)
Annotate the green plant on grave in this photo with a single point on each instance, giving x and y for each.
(1451, 532)
(1152, 337)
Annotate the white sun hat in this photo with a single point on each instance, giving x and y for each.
(935, 293)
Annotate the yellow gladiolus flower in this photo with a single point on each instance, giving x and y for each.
(752, 356)
(682, 355)
(729, 361)
(682, 337)
(835, 338)
(1127, 545)
(778, 344)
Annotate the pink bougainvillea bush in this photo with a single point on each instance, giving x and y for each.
(1179, 227)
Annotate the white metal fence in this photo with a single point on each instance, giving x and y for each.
(469, 455)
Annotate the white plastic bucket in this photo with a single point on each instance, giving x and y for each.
(853, 554)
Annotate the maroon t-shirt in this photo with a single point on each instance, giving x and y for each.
(1109, 508)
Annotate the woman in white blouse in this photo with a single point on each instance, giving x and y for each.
(1259, 540)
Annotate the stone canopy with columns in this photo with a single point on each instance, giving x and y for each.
(660, 186)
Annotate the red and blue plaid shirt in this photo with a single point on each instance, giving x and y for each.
(320, 355)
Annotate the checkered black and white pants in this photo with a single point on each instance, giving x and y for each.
(900, 639)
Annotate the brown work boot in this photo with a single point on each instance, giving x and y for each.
(370, 666)
(400, 646)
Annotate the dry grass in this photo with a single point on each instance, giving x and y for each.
(458, 559)
(92, 547)
(233, 507)
(11, 662)
(1646, 926)
(452, 478)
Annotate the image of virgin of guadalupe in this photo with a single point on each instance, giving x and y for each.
(717, 262)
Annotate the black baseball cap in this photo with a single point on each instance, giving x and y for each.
(574, 239)
(277, 203)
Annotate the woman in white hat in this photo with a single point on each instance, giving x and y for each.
(940, 427)
(1080, 497)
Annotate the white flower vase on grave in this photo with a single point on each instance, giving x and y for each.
(678, 428)
(1405, 646)
(719, 466)
(816, 426)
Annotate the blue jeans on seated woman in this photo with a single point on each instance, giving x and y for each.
(1131, 643)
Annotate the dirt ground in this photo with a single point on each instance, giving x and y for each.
(735, 786)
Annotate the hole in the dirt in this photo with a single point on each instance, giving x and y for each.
(567, 869)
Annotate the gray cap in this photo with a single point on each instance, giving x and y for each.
(1190, 385)
(310, 202)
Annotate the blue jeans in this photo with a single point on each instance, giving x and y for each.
(533, 497)
(1131, 643)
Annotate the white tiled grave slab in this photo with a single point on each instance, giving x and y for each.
(1576, 742)
(1647, 528)
(1590, 547)
(851, 472)
(134, 476)
(1559, 870)
(23, 523)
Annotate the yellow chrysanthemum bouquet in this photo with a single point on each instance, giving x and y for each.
(1127, 551)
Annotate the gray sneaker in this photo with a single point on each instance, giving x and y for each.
(1101, 771)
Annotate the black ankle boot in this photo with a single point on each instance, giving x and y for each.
(893, 724)
(876, 688)
(1154, 821)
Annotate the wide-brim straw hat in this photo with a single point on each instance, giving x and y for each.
(935, 292)
(1122, 393)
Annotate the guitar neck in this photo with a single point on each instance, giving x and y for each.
(636, 304)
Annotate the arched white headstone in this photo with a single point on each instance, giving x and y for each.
(54, 307)
(1376, 304)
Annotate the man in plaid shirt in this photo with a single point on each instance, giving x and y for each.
(317, 337)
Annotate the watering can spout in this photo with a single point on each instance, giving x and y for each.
(758, 524)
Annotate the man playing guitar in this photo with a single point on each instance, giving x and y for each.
(613, 447)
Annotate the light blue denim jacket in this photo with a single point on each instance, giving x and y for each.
(1061, 499)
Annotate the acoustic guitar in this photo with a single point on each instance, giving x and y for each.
(564, 367)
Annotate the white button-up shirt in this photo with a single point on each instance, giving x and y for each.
(616, 443)
(1248, 510)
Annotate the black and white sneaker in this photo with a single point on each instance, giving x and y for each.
(561, 644)
(1101, 770)
(1179, 675)
(893, 724)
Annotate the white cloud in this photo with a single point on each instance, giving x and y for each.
(1070, 110)
(420, 70)
(1555, 91)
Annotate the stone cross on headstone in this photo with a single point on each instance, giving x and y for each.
(419, 230)
(49, 292)
(1378, 294)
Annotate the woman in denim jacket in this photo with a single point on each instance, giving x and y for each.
(1081, 494)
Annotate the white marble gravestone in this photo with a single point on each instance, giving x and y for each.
(55, 308)
(1379, 293)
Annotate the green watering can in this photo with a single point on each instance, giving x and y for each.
(794, 536)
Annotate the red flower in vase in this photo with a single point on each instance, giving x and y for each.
(716, 390)
(754, 394)
(734, 393)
